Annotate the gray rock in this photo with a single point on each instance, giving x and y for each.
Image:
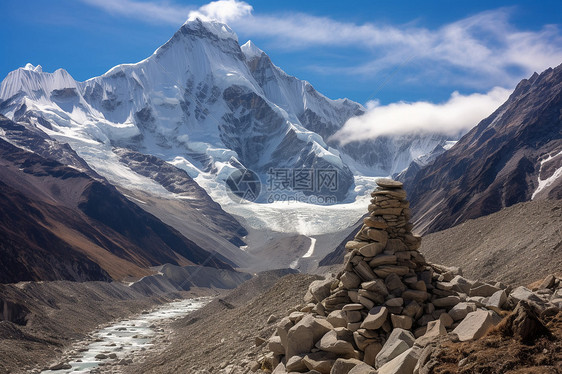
(279, 369)
(389, 351)
(320, 289)
(337, 318)
(344, 366)
(363, 369)
(350, 280)
(523, 293)
(485, 290)
(320, 361)
(274, 345)
(401, 321)
(338, 341)
(461, 284)
(302, 337)
(497, 301)
(377, 286)
(296, 363)
(402, 364)
(461, 310)
(446, 302)
(434, 330)
(375, 319)
(473, 326)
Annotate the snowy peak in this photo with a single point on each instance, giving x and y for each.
(251, 51)
(35, 83)
(199, 24)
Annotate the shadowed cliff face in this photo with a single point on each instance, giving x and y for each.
(499, 162)
(57, 222)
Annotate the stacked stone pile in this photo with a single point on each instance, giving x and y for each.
(387, 308)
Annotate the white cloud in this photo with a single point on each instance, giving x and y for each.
(224, 10)
(479, 51)
(148, 11)
(459, 114)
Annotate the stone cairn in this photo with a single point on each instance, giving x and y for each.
(387, 307)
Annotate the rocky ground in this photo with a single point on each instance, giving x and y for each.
(40, 320)
(517, 245)
(222, 335)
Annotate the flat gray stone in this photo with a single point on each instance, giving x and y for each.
(473, 326)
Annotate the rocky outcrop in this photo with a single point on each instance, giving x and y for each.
(512, 156)
(388, 308)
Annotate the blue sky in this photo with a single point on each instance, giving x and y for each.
(386, 51)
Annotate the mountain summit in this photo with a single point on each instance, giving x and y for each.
(205, 104)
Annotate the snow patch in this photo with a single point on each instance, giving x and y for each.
(544, 183)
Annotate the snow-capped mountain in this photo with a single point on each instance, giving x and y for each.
(194, 102)
(206, 105)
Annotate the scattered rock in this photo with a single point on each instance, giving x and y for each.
(473, 326)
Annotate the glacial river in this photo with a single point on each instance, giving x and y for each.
(122, 341)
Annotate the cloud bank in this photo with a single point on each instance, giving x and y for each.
(459, 114)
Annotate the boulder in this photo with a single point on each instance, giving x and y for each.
(279, 369)
(383, 259)
(302, 337)
(523, 293)
(375, 318)
(402, 334)
(320, 361)
(401, 321)
(296, 363)
(344, 366)
(283, 327)
(350, 280)
(371, 351)
(320, 289)
(402, 364)
(372, 249)
(398, 341)
(377, 286)
(394, 284)
(497, 301)
(415, 295)
(473, 326)
(363, 369)
(434, 330)
(389, 183)
(337, 318)
(461, 310)
(274, 345)
(446, 302)
(338, 341)
(364, 271)
(461, 284)
(485, 290)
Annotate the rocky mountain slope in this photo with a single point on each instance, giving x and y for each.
(61, 223)
(386, 311)
(512, 156)
(516, 245)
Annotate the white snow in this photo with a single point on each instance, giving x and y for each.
(543, 183)
(311, 249)
(251, 50)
